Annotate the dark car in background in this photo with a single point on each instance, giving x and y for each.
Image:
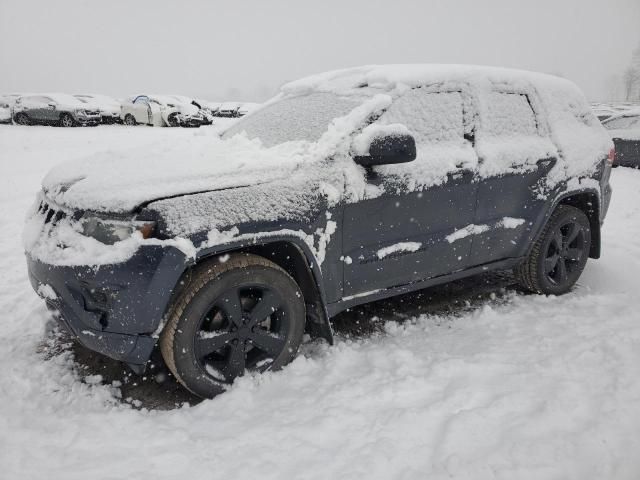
(54, 109)
(109, 107)
(624, 128)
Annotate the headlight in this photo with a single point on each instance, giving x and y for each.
(110, 231)
(81, 112)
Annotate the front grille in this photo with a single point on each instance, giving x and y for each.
(51, 215)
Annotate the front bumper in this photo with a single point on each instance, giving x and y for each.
(194, 121)
(112, 309)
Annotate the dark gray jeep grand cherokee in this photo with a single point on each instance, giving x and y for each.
(348, 187)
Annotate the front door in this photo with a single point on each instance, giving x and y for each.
(141, 109)
(413, 226)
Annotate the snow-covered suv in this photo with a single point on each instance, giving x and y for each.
(348, 187)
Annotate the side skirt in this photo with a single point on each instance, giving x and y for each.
(348, 302)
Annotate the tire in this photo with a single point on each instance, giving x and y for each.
(130, 120)
(172, 121)
(22, 119)
(210, 339)
(559, 255)
(66, 120)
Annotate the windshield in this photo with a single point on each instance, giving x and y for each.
(299, 118)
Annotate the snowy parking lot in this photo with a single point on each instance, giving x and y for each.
(510, 387)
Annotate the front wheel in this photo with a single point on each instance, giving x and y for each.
(130, 120)
(245, 314)
(22, 119)
(66, 120)
(559, 255)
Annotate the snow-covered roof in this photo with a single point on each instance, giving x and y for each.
(388, 77)
(63, 98)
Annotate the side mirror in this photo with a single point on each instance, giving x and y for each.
(52, 106)
(388, 149)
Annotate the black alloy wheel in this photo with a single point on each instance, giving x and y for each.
(22, 119)
(130, 120)
(66, 120)
(243, 315)
(559, 255)
(564, 252)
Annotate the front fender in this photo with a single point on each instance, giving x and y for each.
(299, 240)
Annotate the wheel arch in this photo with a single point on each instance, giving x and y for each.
(296, 258)
(588, 201)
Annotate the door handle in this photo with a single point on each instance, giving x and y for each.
(465, 175)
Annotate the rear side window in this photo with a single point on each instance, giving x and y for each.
(509, 138)
(509, 114)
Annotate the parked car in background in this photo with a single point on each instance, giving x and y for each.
(109, 107)
(624, 128)
(204, 110)
(162, 111)
(229, 110)
(54, 109)
(247, 108)
(5, 109)
(228, 252)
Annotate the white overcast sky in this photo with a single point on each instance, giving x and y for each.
(244, 49)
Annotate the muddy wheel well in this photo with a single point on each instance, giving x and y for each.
(589, 204)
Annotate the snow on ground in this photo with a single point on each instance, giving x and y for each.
(528, 388)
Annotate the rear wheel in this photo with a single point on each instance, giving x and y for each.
(130, 120)
(246, 314)
(559, 255)
(66, 120)
(22, 119)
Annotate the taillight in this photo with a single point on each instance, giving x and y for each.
(612, 156)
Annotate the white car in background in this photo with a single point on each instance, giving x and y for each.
(109, 107)
(5, 109)
(163, 110)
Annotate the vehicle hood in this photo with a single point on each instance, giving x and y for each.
(186, 109)
(121, 180)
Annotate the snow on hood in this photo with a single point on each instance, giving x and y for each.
(120, 180)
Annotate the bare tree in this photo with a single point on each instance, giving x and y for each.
(632, 77)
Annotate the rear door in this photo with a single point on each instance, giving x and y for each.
(36, 108)
(402, 233)
(515, 154)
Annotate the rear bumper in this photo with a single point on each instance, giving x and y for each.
(112, 309)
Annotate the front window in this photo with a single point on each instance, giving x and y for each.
(303, 118)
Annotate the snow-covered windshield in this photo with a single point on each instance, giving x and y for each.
(299, 118)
